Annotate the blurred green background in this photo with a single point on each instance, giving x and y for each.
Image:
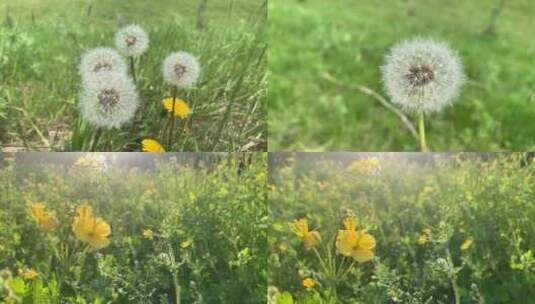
(319, 52)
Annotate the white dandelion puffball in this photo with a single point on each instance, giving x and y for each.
(109, 100)
(101, 60)
(422, 75)
(132, 40)
(181, 69)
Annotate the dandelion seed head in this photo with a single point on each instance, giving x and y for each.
(422, 75)
(132, 40)
(181, 69)
(109, 100)
(101, 59)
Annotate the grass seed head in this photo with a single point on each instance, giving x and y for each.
(101, 59)
(132, 40)
(109, 100)
(422, 75)
(181, 69)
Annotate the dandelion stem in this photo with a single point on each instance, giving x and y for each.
(172, 120)
(96, 137)
(133, 68)
(421, 126)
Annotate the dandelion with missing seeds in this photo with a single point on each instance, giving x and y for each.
(422, 76)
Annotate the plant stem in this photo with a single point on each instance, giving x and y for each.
(133, 68)
(96, 137)
(172, 121)
(452, 277)
(421, 127)
(177, 289)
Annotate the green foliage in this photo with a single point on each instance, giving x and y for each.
(448, 198)
(348, 40)
(208, 245)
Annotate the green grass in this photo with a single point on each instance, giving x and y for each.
(40, 47)
(348, 40)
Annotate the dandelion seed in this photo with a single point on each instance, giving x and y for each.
(152, 145)
(310, 238)
(101, 60)
(90, 229)
(181, 69)
(181, 107)
(132, 40)
(358, 244)
(109, 100)
(309, 283)
(422, 75)
(47, 221)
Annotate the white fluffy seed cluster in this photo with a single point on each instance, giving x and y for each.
(181, 69)
(99, 60)
(132, 40)
(422, 75)
(109, 100)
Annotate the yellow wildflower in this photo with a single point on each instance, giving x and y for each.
(148, 234)
(152, 145)
(467, 244)
(187, 243)
(358, 244)
(369, 165)
(423, 239)
(310, 238)
(429, 190)
(90, 229)
(29, 274)
(309, 283)
(46, 220)
(181, 107)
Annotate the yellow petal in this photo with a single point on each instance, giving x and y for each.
(181, 107)
(350, 223)
(366, 241)
(102, 228)
(362, 255)
(151, 145)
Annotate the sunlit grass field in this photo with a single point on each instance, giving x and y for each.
(41, 43)
(188, 228)
(401, 228)
(320, 53)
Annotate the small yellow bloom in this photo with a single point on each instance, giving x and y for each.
(358, 244)
(309, 283)
(310, 238)
(427, 231)
(46, 220)
(148, 234)
(429, 190)
(283, 246)
(423, 239)
(29, 274)
(467, 244)
(187, 243)
(181, 107)
(90, 229)
(369, 166)
(152, 145)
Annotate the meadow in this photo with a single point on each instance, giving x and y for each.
(325, 81)
(108, 228)
(42, 42)
(401, 228)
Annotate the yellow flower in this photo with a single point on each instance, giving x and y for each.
(29, 274)
(152, 145)
(148, 234)
(369, 166)
(181, 107)
(423, 239)
(467, 244)
(310, 238)
(309, 283)
(187, 243)
(358, 244)
(429, 190)
(89, 229)
(46, 220)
